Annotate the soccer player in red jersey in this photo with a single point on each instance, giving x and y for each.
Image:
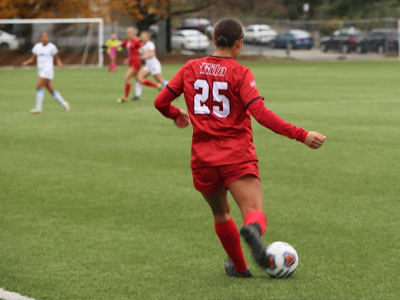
(132, 45)
(221, 95)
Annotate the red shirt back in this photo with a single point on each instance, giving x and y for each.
(217, 92)
(132, 46)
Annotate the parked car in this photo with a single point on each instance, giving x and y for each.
(296, 38)
(189, 39)
(200, 24)
(379, 40)
(345, 40)
(260, 34)
(8, 41)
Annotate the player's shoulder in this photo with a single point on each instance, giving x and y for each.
(150, 44)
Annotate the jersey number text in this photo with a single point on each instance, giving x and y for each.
(200, 106)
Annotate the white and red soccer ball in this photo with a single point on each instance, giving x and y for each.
(283, 260)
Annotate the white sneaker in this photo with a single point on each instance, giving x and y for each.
(35, 111)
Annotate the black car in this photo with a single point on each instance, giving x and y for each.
(297, 39)
(380, 41)
(344, 42)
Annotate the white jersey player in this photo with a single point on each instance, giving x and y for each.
(45, 53)
(152, 65)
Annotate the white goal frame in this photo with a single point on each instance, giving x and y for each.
(98, 21)
(398, 32)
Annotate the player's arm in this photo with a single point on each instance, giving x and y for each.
(30, 60)
(58, 60)
(163, 102)
(272, 121)
(255, 104)
(148, 54)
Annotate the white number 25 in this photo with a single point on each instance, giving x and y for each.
(200, 106)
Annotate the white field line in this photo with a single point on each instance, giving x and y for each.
(6, 295)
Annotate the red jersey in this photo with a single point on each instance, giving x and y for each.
(220, 94)
(132, 46)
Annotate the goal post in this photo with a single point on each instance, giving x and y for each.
(89, 21)
(398, 37)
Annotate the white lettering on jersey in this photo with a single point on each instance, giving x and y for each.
(212, 69)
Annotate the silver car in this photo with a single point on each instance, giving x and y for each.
(8, 41)
(189, 39)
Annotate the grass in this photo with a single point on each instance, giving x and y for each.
(99, 204)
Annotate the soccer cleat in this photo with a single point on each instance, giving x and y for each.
(35, 111)
(67, 107)
(136, 98)
(122, 100)
(230, 270)
(252, 235)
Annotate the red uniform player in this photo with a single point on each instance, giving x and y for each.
(221, 95)
(132, 45)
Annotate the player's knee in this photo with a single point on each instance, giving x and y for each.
(221, 214)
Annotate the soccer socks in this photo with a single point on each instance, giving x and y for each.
(138, 89)
(256, 217)
(150, 83)
(112, 67)
(127, 89)
(39, 99)
(228, 234)
(59, 98)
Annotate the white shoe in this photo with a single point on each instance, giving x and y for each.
(35, 111)
(67, 107)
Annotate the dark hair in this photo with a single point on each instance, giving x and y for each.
(227, 32)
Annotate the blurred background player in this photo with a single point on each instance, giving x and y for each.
(45, 53)
(220, 95)
(113, 46)
(152, 65)
(132, 45)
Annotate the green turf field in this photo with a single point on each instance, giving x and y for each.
(99, 204)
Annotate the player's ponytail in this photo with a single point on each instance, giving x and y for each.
(227, 32)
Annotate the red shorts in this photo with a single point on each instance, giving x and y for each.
(211, 179)
(135, 64)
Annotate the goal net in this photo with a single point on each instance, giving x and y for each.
(79, 41)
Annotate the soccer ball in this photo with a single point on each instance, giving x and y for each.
(283, 260)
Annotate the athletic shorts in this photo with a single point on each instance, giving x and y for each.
(153, 68)
(135, 64)
(211, 179)
(47, 73)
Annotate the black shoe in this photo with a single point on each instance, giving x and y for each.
(135, 98)
(230, 271)
(252, 235)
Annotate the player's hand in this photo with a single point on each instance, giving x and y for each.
(126, 62)
(314, 139)
(182, 120)
(60, 64)
(25, 63)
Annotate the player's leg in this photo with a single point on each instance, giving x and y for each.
(228, 233)
(150, 69)
(141, 76)
(247, 193)
(160, 79)
(128, 75)
(39, 95)
(57, 96)
(113, 60)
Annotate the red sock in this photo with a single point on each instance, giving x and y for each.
(229, 236)
(150, 83)
(256, 217)
(127, 89)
